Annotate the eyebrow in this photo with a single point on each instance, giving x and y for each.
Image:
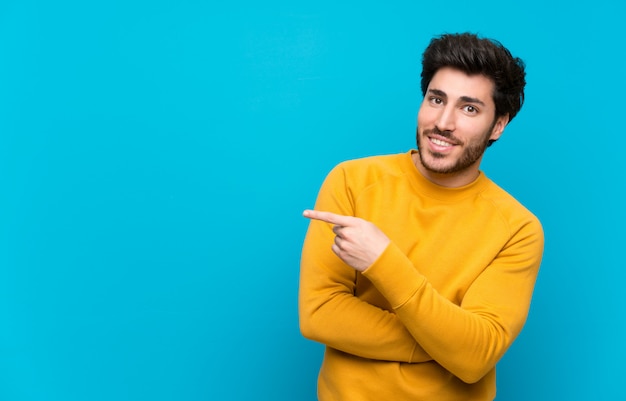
(466, 99)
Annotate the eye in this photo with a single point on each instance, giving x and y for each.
(435, 100)
(470, 109)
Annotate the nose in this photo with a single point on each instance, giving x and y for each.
(446, 119)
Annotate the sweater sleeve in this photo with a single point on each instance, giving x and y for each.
(466, 339)
(329, 311)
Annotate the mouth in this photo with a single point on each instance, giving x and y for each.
(439, 144)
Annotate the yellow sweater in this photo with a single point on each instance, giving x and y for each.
(432, 316)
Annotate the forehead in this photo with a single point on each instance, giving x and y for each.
(456, 84)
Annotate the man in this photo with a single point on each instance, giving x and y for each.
(417, 271)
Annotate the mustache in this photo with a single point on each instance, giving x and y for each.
(444, 134)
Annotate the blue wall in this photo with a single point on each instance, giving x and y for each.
(155, 158)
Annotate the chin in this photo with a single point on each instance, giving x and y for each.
(435, 163)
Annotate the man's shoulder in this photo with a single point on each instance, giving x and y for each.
(506, 203)
(363, 172)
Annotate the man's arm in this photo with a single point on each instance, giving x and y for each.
(467, 339)
(329, 311)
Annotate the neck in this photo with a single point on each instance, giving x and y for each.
(450, 180)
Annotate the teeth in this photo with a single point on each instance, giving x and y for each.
(439, 142)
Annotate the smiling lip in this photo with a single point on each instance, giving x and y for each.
(440, 144)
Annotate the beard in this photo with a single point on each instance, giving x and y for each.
(472, 151)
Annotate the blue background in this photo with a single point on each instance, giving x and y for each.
(155, 157)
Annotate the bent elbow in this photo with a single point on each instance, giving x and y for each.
(473, 366)
(307, 326)
(314, 327)
(473, 372)
(473, 376)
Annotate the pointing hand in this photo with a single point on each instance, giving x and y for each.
(359, 243)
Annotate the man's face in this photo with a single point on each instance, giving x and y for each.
(455, 123)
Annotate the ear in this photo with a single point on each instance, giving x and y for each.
(498, 127)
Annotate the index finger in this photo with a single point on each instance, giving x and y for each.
(328, 217)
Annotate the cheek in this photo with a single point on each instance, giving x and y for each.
(424, 118)
(476, 135)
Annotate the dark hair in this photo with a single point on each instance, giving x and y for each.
(473, 55)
